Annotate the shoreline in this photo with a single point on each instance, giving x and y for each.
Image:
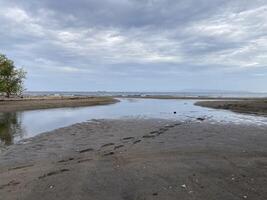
(255, 106)
(191, 97)
(37, 103)
(251, 105)
(123, 159)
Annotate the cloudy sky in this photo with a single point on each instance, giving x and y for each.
(137, 45)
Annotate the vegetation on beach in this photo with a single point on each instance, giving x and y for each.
(252, 106)
(11, 78)
(36, 103)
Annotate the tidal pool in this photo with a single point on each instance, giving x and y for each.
(16, 126)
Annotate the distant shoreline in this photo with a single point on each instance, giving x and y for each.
(191, 97)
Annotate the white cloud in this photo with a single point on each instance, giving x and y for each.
(162, 36)
(17, 15)
(246, 31)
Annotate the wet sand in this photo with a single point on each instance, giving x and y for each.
(256, 106)
(34, 103)
(138, 159)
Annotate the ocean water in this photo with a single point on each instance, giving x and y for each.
(178, 94)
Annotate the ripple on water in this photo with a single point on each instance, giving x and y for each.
(21, 125)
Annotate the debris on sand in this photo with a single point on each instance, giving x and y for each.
(183, 186)
(200, 118)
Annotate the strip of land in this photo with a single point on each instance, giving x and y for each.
(189, 97)
(257, 106)
(35, 103)
(138, 159)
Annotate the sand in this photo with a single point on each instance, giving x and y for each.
(138, 159)
(36, 103)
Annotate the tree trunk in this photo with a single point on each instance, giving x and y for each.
(8, 93)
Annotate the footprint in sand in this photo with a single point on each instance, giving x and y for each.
(170, 126)
(65, 160)
(128, 138)
(84, 160)
(86, 150)
(109, 153)
(137, 141)
(54, 173)
(163, 129)
(177, 124)
(108, 144)
(11, 183)
(149, 136)
(118, 147)
(21, 167)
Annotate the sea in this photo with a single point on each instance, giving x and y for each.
(142, 94)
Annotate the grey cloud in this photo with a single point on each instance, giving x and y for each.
(141, 38)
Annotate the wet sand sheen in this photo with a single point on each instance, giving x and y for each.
(139, 159)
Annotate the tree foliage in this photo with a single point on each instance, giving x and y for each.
(11, 78)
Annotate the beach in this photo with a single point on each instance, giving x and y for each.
(133, 100)
(138, 159)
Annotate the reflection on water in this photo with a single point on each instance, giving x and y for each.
(10, 127)
(17, 126)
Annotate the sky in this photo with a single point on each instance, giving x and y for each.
(137, 45)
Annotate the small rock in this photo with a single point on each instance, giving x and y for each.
(183, 186)
(245, 197)
(51, 187)
(200, 118)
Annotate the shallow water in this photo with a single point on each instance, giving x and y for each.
(21, 125)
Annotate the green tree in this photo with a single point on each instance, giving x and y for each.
(11, 79)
